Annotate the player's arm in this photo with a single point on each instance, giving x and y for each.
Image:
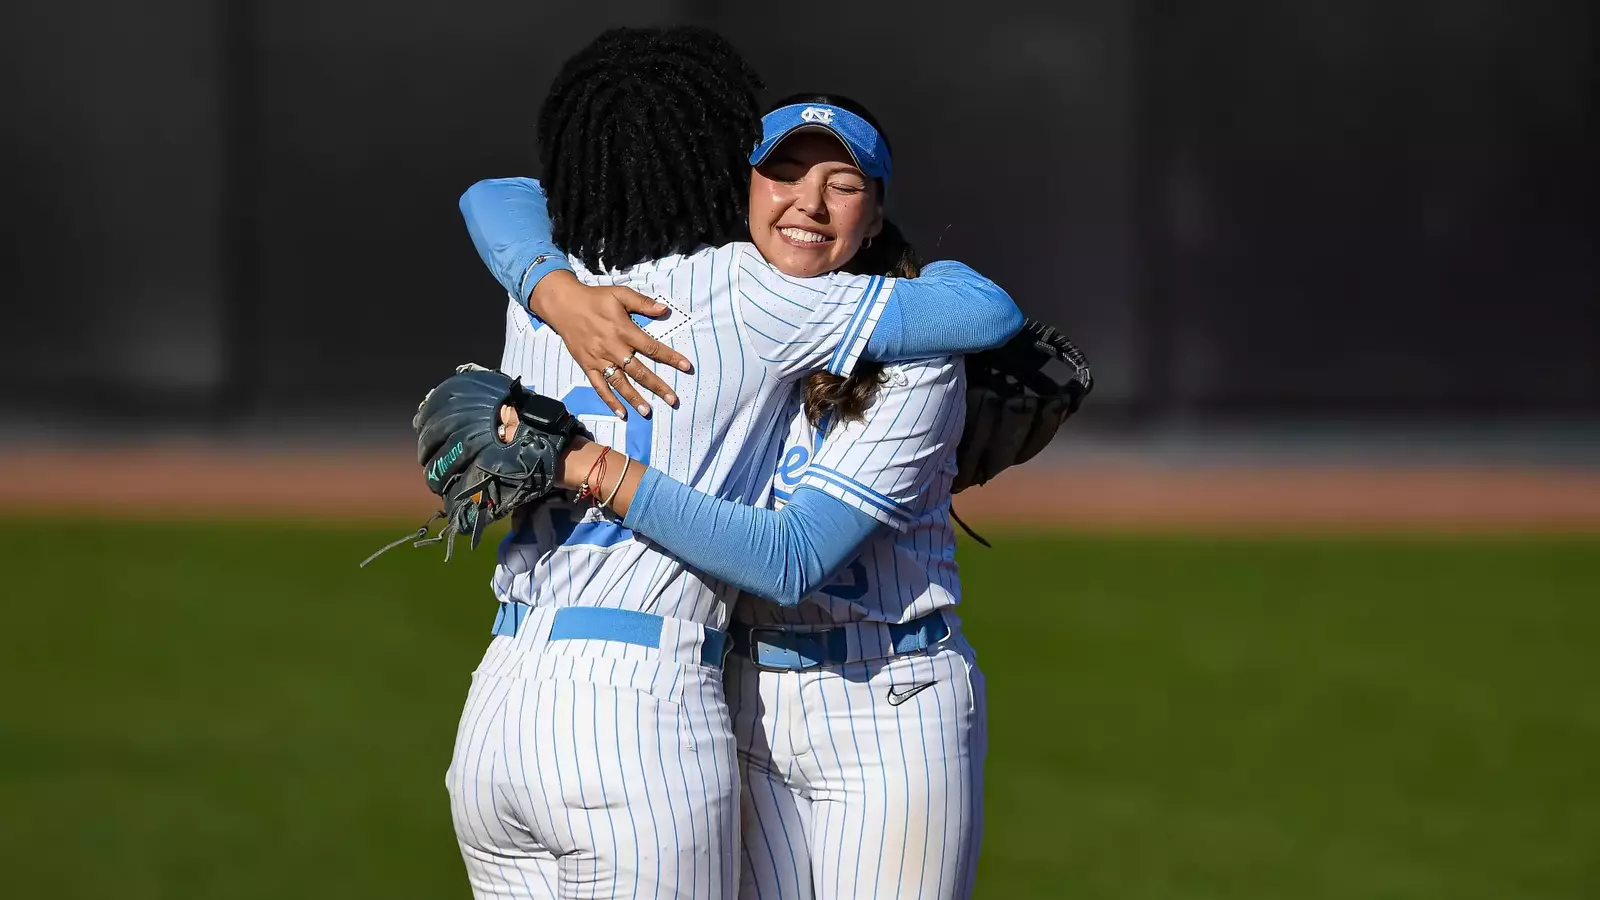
(800, 322)
(798, 325)
(870, 472)
(510, 226)
(948, 310)
(783, 555)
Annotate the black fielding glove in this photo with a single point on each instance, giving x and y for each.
(479, 478)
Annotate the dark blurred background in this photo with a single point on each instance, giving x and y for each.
(1241, 209)
(1302, 605)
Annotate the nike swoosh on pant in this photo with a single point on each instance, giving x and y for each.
(898, 697)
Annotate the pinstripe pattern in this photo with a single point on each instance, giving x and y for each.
(895, 466)
(595, 768)
(845, 794)
(577, 774)
(752, 332)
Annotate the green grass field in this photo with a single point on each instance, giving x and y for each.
(239, 712)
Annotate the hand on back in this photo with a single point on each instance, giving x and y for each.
(595, 324)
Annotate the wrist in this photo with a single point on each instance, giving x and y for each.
(545, 295)
(575, 463)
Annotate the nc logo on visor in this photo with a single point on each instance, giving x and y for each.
(816, 115)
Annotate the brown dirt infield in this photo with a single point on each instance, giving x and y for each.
(196, 480)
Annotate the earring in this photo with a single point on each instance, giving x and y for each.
(867, 245)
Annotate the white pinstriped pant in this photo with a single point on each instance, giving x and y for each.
(594, 769)
(847, 795)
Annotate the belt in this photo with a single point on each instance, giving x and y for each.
(593, 623)
(785, 649)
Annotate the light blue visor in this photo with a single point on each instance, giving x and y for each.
(867, 148)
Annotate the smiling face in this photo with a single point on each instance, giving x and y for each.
(810, 207)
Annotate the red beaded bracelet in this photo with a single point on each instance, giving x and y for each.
(591, 483)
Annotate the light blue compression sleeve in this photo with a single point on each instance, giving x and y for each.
(783, 555)
(948, 311)
(510, 227)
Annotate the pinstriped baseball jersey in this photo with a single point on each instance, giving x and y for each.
(896, 465)
(865, 780)
(750, 331)
(595, 767)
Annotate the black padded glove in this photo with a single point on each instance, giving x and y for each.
(1014, 409)
(479, 477)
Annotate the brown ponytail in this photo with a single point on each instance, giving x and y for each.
(848, 398)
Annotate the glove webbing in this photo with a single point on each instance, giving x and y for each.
(447, 534)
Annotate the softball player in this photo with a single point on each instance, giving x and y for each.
(859, 713)
(595, 755)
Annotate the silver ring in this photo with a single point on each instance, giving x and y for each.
(607, 373)
(625, 360)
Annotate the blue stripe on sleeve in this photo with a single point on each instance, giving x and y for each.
(856, 489)
(842, 351)
(858, 318)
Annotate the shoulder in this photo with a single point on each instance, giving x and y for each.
(711, 268)
(931, 386)
(747, 262)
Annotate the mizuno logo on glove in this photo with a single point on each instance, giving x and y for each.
(443, 463)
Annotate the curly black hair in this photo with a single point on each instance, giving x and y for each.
(644, 141)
